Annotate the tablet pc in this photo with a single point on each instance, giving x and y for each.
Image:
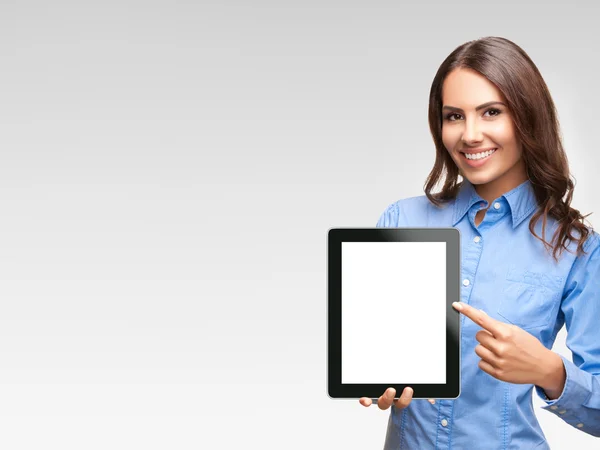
(390, 317)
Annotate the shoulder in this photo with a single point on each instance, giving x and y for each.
(591, 245)
(409, 211)
(586, 264)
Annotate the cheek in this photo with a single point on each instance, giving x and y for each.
(449, 138)
(503, 133)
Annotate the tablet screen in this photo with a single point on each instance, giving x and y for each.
(393, 312)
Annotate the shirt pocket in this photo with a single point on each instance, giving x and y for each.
(529, 298)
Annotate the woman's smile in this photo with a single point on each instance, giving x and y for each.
(478, 159)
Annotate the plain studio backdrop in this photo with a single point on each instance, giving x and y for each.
(168, 174)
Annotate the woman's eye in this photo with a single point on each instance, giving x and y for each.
(449, 116)
(495, 111)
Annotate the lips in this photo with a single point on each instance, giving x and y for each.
(476, 163)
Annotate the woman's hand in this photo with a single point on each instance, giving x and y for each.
(511, 354)
(386, 400)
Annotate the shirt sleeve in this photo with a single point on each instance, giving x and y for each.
(579, 402)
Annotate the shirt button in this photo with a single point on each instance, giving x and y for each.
(554, 407)
(465, 282)
(477, 239)
(579, 425)
(497, 205)
(445, 422)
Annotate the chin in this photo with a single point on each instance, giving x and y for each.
(477, 179)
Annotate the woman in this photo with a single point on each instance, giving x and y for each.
(494, 123)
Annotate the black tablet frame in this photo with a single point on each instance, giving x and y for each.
(451, 236)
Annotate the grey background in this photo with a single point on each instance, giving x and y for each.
(168, 175)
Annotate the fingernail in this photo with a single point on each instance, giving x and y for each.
(457, 305)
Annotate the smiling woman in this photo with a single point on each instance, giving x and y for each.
(494, 124)
(489, 95)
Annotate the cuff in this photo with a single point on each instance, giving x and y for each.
(575, 393)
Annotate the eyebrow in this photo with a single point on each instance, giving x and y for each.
(485, 105)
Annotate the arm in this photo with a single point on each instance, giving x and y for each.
(578, 402)
(553, 381)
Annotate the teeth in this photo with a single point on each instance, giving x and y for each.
(480, 155)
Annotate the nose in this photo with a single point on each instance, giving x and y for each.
(472, 132)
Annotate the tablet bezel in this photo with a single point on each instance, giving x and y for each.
(450, 236)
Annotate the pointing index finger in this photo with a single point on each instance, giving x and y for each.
(479, 317)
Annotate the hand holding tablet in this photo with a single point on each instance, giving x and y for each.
(386, 400)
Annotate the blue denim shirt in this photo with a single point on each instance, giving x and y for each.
(509, 274)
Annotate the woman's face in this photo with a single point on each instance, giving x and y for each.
(475, 120)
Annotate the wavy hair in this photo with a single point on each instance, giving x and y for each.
(511, 70)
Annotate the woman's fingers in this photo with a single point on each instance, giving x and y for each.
(386, 400)
(383, 402)
(365, 401)
(405, 398)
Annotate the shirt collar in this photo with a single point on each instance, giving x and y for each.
(522, 201)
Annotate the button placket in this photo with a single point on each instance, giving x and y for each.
(472, 253)
(444, 425)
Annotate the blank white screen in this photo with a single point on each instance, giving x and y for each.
(393, 312)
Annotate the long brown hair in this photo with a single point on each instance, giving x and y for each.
(511, 70)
